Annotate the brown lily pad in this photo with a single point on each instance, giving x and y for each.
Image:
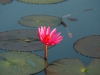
(89, 46)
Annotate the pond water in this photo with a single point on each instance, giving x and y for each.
(84, 20)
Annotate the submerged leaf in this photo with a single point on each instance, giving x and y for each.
(88, 9)
(72, 19)
(21, 63)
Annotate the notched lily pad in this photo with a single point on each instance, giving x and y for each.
(20, 40)
(5, 1)
(73, 66)
(89, 46)
(65, 67)
(42, 1)
(94, 67)
(21, 63)
(40, 20)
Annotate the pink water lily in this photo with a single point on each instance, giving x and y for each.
(49, 37)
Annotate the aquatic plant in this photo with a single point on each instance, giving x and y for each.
(68, 32)
(42, 1)
(48, 37)
(5, 1)
(26, 40)
(73, 66)
(88, 46)
(21, 63)
(40, 20)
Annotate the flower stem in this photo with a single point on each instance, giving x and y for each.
(45, 52)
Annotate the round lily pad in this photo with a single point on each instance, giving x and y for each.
(73, 66)
(40, 20)
(89, 46)
(20, 40)
(21, 63)
(42, 1)
(5, 1)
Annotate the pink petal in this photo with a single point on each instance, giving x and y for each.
(38, 30)
(48, 30)
(53, 32)
(55, 36)
(44, 30)
(59, 38)
(57, 41)
(41, 30)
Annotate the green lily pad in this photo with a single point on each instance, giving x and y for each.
(21, 63)
(5, 1)
(40, 20)
(73, 66)
(65, 67)
(20, 40)
(94, 67)
(89, 46)
(42, 1)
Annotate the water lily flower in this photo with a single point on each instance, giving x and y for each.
(48, 37)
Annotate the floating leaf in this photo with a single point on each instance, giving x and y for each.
(40, 20)
(73, 66)
(1, 58)
(89, 46)
(42, 1)
(94, 67)
(21, 63)
(20, 40)
(5, 1)
(65, 67)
